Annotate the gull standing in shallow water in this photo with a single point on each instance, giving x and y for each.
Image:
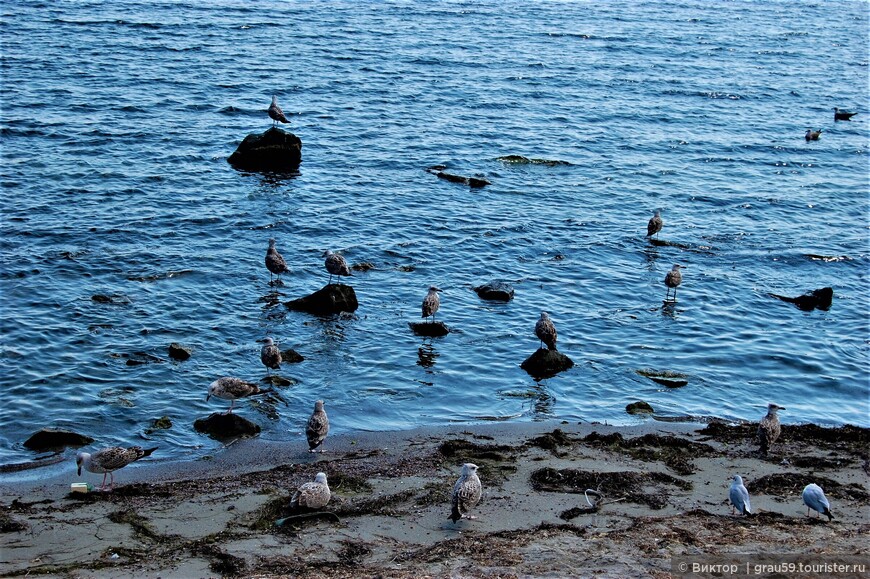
(672, 280)
(312, 495)
(466, 493)
(431, 303)
(275, 262)
(814, 498)
(275, 112)
(228, 388)
(110, 459)
(336, 265)
(739, 497)
(769, 428)
(655, 224)
(546, 331)
(270, 355)
(317, 427)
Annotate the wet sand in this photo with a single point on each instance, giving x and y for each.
(664, 492)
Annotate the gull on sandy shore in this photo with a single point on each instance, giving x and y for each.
(317, 427)
(275, 112)
(431, 303)
(229, 388)
(110, 459)
(466, 493)
(336, 265)
(672, 280)
(739, 497)
(814, 498)
(270, 355)
(655, 224)
(769, 428)
(275, 262)
(312, 495)
(545, 330)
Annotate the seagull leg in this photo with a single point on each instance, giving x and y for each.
(105, 474)
(111, 481)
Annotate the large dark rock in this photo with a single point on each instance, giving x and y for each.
(223, 426)
(179, 352)
(55, 439)
(330, 299)
(275, 150)
(470, 181)
(291, 356)
(546, 363)
(818, 298)
(429, 329)
(639, 407)
(495, 290)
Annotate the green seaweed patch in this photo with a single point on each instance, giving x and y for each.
(473, 452)
(387, 505)
(141, 526)
(550, 440)
(221, 561)
(646, 488)
(352, 553)
(9, 524)
(349, 484)
(675, 452)
(792, 483)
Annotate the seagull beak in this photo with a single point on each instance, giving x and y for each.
(207, 396)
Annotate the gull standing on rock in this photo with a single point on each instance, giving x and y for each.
(672, 280)
(317, 427)
(275, 262)
(431, 303)
(769, 428)
(466, 493)
(739, 497)
(270, 355)
(546, 331)
(336, 265)
(110, 459)
(814, 498)
(228, 388)
(312, 495)
(655, 224)
(275, 112)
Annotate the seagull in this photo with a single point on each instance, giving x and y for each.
(270, 355)
(814, 498)
(655, 224)
(431, 303)
(312, 495)
(739, 497)
(231, 389)
(275, 262)
(466, 493)
(110, 459)
(673, 279)
(336, 265)
(317, 428)
(546, 331)
(813, 135)
(275, 112)
(769, 428)
(842, 115)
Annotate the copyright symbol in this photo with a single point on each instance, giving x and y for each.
(683, 567)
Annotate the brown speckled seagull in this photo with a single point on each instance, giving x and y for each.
(110, 459)
(545, 330)
(466, 493)
(317, 427)
(431, 303)
(672, 280)
(312, 495)
(275, 262)
(275, 112)
(336, 265)
(655, 224)
(769, 428)
(229, 388)
(270, 355)
(813, 135)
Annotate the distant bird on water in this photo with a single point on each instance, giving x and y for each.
(270, 355)
(769, 428)
(431, 303)
(813, 135)
(842, 115)
(317, 427)
(275, 262)
(672, 280)
(275, 112)
(655, 224)
(739, 497)
(110, 459)
(546, 331)
(228, 388)
(336, 265)
(312, 495)
(466, 493)
(814, 498)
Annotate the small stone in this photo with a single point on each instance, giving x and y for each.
(429, 329)
(330, 299)
(291, 356)
(223, 426)
(546, 363)
(495, 290)
(55, 438)
(179, 352)
(639, 407)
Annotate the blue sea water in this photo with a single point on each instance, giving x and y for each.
(117, 120)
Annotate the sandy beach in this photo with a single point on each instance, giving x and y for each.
(664, 489)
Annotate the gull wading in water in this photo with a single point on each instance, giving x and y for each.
(335, 265)
(466, 493)
(275, 262)
(228, 388)
(312, 495)
(275, 112)
(431, 303)
(317, 427)
(672, 280)
(270, 355)
(110, 459)
(815, 499)
(739, 497)
(546, 331)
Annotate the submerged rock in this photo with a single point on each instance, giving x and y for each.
(179, 352)
(495, 290)
(818, 298)
(222, 426)
(55, 439)
(470, 181)
(274, 150)
(520, 160)
(330, 299)
(291, 356)
(665, 377)
(545, 363)
(429, 329)
(639, 407)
